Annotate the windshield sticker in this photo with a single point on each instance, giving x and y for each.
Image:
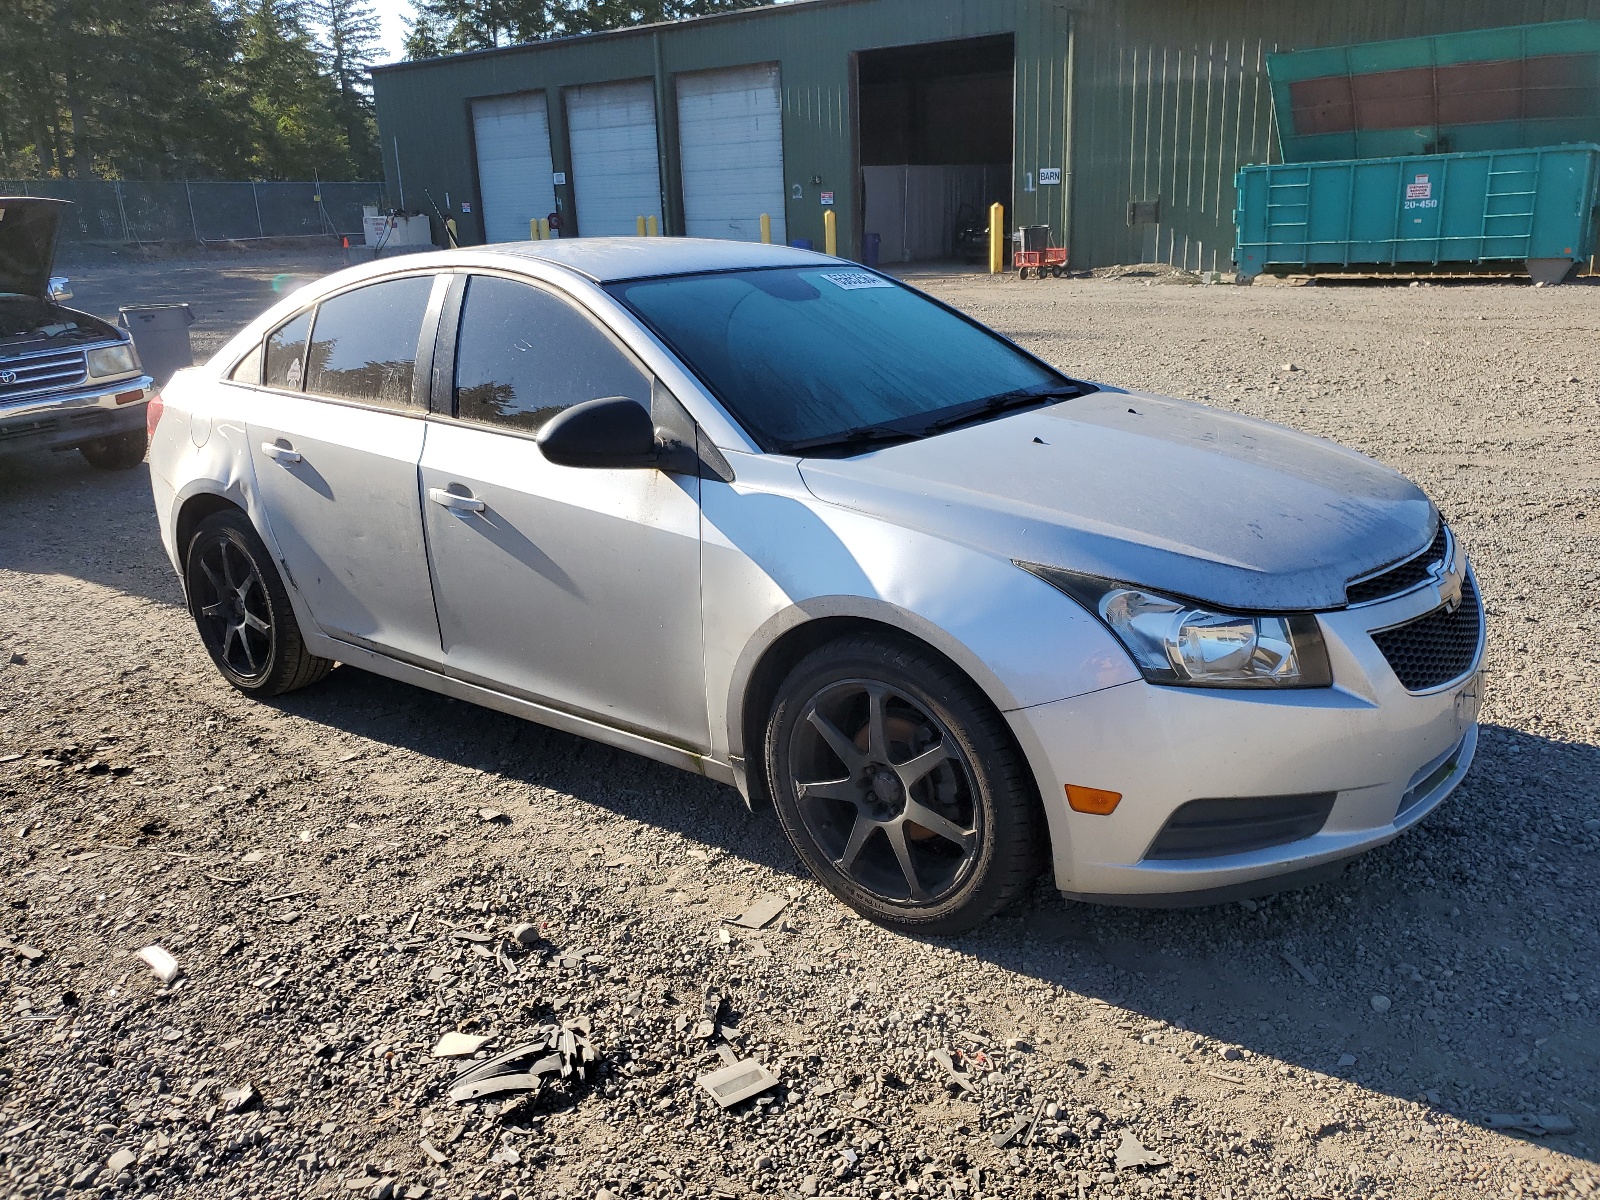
(855, 281)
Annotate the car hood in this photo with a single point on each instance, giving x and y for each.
(28, 226)
(1175, 496)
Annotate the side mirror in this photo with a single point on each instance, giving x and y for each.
(615, 433)
(60, 287)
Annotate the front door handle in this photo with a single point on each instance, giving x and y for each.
(281, 455)
(456, 502)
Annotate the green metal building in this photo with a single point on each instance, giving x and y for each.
(1118, 123)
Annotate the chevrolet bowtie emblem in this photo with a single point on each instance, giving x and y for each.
(1449, 588)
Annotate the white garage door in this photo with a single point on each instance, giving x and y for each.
(515, 180)
(730, 134)
(616, 167)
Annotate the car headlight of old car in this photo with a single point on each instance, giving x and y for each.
(1178, 642)
(110, 361)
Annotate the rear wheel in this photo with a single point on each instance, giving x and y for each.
(119, 452)
(242, 610)
(900, 787)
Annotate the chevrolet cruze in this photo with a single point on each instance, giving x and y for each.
(786, 522)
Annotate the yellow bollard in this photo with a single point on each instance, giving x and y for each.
(652, 229)
(766, 229)
(997, 239)
(641, 226)
(544, 229)
(830, 232)
(533, 229)
(450, 231)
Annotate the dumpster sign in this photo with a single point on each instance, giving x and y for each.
(1419, 193)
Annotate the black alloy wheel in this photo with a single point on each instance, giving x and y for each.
(900, 786)
(242, 611)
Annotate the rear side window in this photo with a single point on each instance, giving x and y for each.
(248, 368)
(524, 354)
(364, 342)
(286, 353)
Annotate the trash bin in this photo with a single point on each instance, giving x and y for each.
(803, 244)
(161, 335)
(871, 246)
(1035, 238)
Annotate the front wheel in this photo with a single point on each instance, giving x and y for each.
(900, 787)
(242, 610)
(119, 452)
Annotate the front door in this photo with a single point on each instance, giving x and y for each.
(335, 449)
(579, 588)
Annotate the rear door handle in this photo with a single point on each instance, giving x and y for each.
(456, 502)
(281, 455)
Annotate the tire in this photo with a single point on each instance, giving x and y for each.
(242, 611)
(119, 452)
(853, 755)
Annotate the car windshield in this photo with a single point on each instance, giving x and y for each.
(832, 357)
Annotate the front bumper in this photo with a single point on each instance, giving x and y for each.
(1386, 756)
(62, 420)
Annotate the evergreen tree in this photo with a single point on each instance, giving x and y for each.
(349, 45)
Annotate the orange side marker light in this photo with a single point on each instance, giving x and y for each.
(1092, 800)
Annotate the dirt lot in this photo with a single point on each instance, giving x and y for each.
(324, 871)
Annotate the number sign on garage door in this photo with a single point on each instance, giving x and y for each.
(616, 168)
(515, 181)
(730, 134)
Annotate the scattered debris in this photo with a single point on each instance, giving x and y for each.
(1535, 1124)
(1008, 1135)
(459, 1045)
(1226, 1078)
(1300, 969)
(525, 935)
(738, 1081)
(1347, 1060)
(953, 1077)
(240, 1099)
(1380, 1004)
(563, 1051)
(761, 913)
(493, 816)
(1132, 1153)
(31, 953)
(436, 1155)
(161, 962)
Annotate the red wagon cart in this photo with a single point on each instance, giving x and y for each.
(1038, 255)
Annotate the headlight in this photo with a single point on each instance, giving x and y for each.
(1178, 642)
(108, 361)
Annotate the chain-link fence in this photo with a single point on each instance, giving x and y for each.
(119, 211)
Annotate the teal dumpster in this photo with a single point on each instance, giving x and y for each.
(1500, 209)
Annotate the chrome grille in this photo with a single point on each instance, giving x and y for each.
(1402, 578)
(1437, 648)
(40, 373)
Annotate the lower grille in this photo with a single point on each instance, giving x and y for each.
(1438, 648)
(40, 372)
(1212, 828)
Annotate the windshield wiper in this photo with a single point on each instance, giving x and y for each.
(1005, 401)
(862, 435)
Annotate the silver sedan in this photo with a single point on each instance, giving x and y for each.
(789, 523)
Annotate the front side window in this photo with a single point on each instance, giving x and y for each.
(286, 353)
(524, 354)
(364, 342)
(801, 355)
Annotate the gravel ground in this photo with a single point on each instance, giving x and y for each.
(338, 873)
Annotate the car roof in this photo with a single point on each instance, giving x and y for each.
(608, 259)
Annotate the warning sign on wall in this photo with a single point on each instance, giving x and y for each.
(1420, 189)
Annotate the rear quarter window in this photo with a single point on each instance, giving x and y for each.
(248, 368)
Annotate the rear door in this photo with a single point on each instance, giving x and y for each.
(336, 437)
(575, 587)
(616, 166)
(730, 135)
(515, 178)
